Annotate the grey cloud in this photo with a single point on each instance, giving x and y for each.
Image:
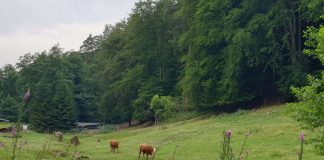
(36, 25)
(16, 15)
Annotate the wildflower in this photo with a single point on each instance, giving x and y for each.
(302, 137)
(228, 133)
(14, 133)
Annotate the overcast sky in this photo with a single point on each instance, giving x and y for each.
(36, 25)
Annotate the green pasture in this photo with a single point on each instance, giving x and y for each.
(273, 136)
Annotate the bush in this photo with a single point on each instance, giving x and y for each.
(309, 111)
(182, 116)
(108, 128)
(318, 143)
(163, 106)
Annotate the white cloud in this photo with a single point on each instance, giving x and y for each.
(70, 36)
(36, 25)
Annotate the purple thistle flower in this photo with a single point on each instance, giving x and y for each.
(14, 133)
(302, 137)
(228, 134)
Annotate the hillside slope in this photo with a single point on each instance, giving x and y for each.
(273, 136)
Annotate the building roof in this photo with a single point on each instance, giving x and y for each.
(4, 120)
(88, 124)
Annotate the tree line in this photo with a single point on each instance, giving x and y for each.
(203, 54)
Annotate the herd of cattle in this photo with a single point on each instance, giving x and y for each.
(144, 149)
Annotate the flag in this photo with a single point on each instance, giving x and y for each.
(27, 95)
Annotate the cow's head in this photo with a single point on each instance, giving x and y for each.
(154, 152)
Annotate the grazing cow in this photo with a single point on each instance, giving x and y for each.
(114, 145)
(148, 150)
(59, 135)
(75, 141)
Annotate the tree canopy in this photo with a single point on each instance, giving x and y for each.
(205, 54)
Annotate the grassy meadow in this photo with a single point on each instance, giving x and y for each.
(273, 136)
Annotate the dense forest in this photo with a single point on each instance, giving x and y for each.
(196, 55)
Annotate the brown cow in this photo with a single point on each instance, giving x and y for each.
(114, 145)
(148, 150)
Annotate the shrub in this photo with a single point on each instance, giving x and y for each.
(163, 107)
(309, 111)
(318, 143)
(108, 128)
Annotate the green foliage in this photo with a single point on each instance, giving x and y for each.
(197, 138)
(234, 48)
(82, 86)
(315, 42)
(9, 101)
(182, 116)
(8, 78)
(210, 53)
(8, 108)
(64, 116)
(226, 151)
(90, 47)
(51, 106)
(137, 60)
(107, 128)
(318, 143)
(163, 106)
(309, 111)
